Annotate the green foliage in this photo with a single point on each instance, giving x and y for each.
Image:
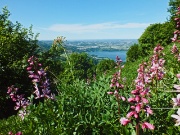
(133, 53)
(173, 4)
(153, 35)
(43, 118)
(16, 45)
(157, 34)
(84, 107)
(80, 66)
(79, 109)
(104, 66)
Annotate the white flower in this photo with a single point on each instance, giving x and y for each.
(177, 117)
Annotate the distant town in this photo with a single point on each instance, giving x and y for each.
(93, 45)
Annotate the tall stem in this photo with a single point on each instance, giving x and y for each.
(118, 105)
(137, 126)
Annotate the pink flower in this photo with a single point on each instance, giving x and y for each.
(158, 48)
(177, 117)
(174, 38)
(174, 49)
(112, 85)
(117, 84)
(176, 19)
(29, 68)
(177, 87)
(130, 114)
(149, 111)
(137, 98)
(110, 93)
(144, 100)
(131, 99)
(135, 92)
(123, 98)
(176, 101)
(178, 76)
(147, 125)
(10, 133)
(132, 107)
(19, 133)
(135, 115)
(138, 108)
(124, 121)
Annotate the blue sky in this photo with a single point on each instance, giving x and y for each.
(87, 19)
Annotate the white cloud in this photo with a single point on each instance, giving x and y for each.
(109, 30)
(82, 28)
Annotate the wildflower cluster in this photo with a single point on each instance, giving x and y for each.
(41, 85)
(157, 64)
(175, 51)
(147, 74)
(39, 79)
(115, 83)
(139, 101)
(21, 102)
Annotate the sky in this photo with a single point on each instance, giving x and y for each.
(87, 19)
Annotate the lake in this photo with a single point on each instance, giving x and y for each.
(110, 54)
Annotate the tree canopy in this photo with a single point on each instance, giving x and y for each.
(16, 45)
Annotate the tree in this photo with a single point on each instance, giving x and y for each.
(105, 65)
(173, 5)
(157, 34)
(16, 45)
(133, 53)
(78, 66)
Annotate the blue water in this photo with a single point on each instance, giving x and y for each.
(110, 54)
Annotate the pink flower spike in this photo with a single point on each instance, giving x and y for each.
(147, 125)
(124, 121)
(177, 117)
